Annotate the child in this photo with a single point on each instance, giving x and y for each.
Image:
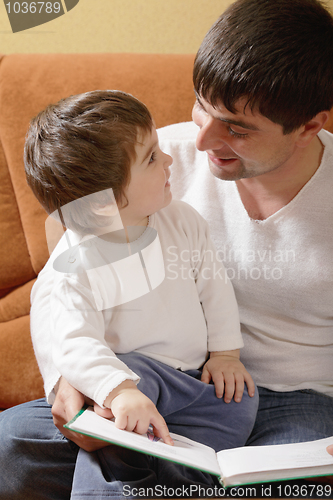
(146, 356)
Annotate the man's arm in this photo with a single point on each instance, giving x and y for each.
(68, 402)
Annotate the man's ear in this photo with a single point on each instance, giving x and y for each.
(308, 131)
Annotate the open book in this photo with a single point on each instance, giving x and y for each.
(246, 465)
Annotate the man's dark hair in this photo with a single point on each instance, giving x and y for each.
(82, 145)
(277, 54)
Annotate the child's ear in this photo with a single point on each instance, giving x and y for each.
(109, 210)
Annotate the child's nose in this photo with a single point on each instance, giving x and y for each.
(168, 160)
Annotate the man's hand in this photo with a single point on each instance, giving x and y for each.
(228, 375)
(133, 411)
(67, 403)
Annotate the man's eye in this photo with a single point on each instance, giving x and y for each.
(236, 134)
(153, 157)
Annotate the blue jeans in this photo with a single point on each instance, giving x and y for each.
(28, 439)
(190, 408)
(292, 417)
(37, 462)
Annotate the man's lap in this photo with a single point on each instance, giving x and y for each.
(291, 417)
(33, 453)
(35, 457)
(43, 455)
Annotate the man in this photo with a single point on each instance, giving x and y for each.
(263, 79)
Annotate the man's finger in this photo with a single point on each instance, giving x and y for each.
(330, 449)
(103, 412)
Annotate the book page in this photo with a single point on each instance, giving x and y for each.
(293, 456)
(184, 451)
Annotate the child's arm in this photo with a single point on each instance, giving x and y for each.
(228, 374)
(133, 411)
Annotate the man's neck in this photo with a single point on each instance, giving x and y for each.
(264, 195)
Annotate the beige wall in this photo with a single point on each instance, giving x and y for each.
(160, 26)
(155, 26)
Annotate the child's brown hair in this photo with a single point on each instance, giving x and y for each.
(82, 145)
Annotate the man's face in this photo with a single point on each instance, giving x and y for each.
(243, 144)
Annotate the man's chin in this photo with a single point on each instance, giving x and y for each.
(229, 171)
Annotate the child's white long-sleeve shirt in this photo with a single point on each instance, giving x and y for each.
(193, 311)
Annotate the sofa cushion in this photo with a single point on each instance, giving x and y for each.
(30, 82)
(19, 374)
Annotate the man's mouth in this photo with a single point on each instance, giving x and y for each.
(221, 162)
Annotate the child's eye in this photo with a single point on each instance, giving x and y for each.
(153, 157)
(236, 134)
(199, 105)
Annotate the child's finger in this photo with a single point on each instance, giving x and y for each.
(229, 387)
(239, 387)
(142, 425)
(205, 376)
(161, 429)
(251, 388)
(121, 421)
(220, 384)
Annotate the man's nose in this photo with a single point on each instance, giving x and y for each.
(210, 135)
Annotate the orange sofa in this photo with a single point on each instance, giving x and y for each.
(27, 84)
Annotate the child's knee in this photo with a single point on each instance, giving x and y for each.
(138, 363)
(245, 414)
(253, 401)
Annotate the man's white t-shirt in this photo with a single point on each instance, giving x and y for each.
(281, 268)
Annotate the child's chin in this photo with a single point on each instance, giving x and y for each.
(169, 199)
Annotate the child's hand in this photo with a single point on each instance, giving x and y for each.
(228, 375)
(133, 411)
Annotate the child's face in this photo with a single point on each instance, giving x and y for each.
(149, 188)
